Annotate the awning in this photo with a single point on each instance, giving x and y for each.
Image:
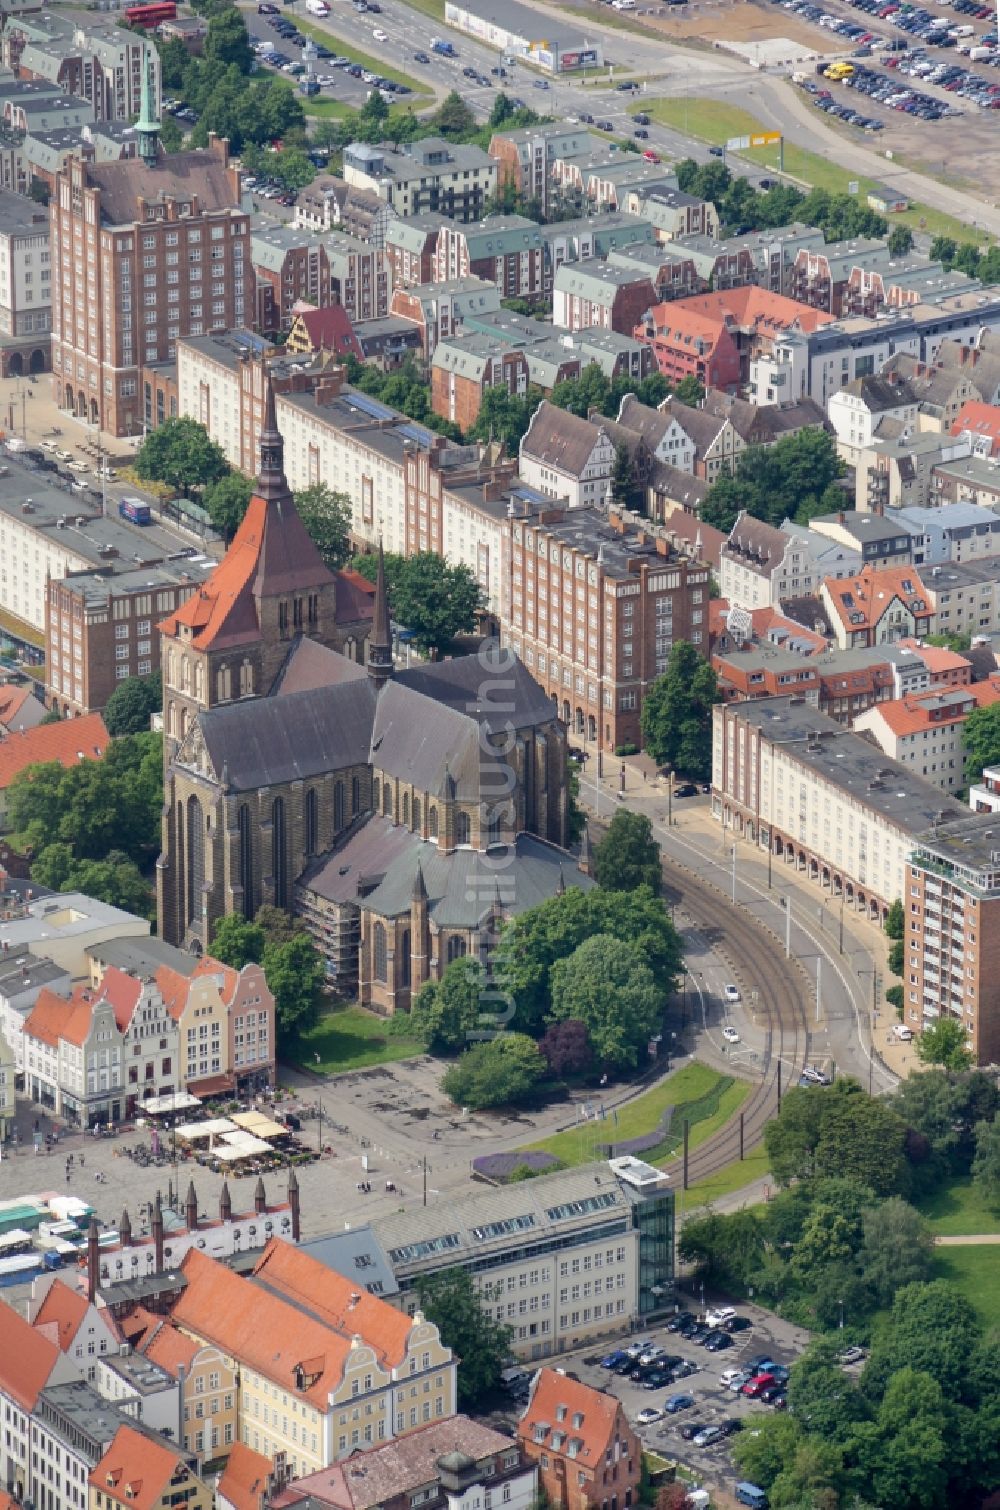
(179, 1101)
(239, 1145)
(259, 1125)
(192, 1131)
(212, 1085)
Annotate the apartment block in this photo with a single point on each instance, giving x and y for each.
(525, 157)
(360, 277)
(952, 903)
(924, 729)
(588, 1453)
(439, 310)
(148, 251)
(594, 610)
(99, 628)
(601, 295)
(289, 267)
(565, 457)
(507, 250)
(823, 800)
(25, 286)
(410, 248)
(841, 683)
(819, 275)
(91, 58)
(331, 204)
(430, 174)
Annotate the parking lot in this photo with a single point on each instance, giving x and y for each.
(676, 1434)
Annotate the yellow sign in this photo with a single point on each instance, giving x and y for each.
(765, 139)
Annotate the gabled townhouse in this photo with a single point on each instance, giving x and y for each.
(949, 532)
(74, 1057)
(663, 432)
(857, 410)
(507, 250)
(897, 469)
(588, 1455)
(672, 213)
(29, 1362)
(352, 1366)
(247, 1481)
(981, 423)
(979, 361)
(149, 1036)
(410, 246)
(332, 204)
(717, 442)
(939, 389)
(819, 275)
(320, 331)
(647, 450)
(764, 424)
(140, 1472)
(226, 1027)
(209, 1421)
(672, 277)
(874, 285)
(566, 457)
(599, 294)
(878, 606)
(595, 236)
(760, 565)
(82, 1330)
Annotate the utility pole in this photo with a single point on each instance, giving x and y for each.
(425, 1179)
(841, 922)
(788, 926)
(687, 1128)
(819, 967)
(779, 1086)
(734, 875)
(769, 844)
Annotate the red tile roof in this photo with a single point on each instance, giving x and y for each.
(27, 1358)
(136, 1470)
(981, 421)
(68, 741)
(11, 700)
(329, 329)
(859, 602)
(348, 1308)
(270, 546)
(261, 1330)
(53, 1017)
(245, 1478)
(65, 1308)
(917, 711)
(936, 658)
(168, 1346)
(583, 1415)
(704, 316)
(122, 992)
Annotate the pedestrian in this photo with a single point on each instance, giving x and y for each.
(67, 1174)
(82, 1161)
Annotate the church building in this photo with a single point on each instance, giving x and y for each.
(403, 813)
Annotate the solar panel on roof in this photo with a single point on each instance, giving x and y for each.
(370, 406)
(422, 436)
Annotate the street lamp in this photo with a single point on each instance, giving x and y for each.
(841, 1315)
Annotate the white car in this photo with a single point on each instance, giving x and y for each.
(730, 1035)
(380, 35)
(731, 992)
(729, 1374)
(649, 1416)
(720, 1317)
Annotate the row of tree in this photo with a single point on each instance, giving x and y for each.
(741, 207)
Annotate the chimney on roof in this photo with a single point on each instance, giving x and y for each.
(293, 1201)
(259, 1198)
(93, 1259)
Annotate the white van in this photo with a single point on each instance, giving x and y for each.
(317, 7)
(902, 1032)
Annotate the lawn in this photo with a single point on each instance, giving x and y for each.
(959, 1210)
(326, 109)
(349, 1038)
(734, 1177)
(715, 121)
(364, 59)
(710, 1099)
(975, 1271)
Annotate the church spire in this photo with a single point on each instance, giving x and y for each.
(271, 481)
(380, 639)
(147, 127)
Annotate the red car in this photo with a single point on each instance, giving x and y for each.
(755, 1387)
(651, 156)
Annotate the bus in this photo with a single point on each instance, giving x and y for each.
(149, 16)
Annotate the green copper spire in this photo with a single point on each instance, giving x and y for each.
(148, 124)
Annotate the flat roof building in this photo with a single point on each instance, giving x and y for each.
(514, 28)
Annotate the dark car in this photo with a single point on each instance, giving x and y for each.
(691, 1429)
(676, 1323)
(717, 151)
(683, 1370)
(698, 1332)
(771, 1393)
(420, 57)
(731, 1426)
(738, 1324)
(604, 125)
(762, 1364)
(717, 1342)
(780, 1402)
(658, 1378)
(641, 118)
(686, 789)
(641, 132)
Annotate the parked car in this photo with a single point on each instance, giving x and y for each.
(852, 1355)
(754, 1388)
(686, 789)
(649, 1415)
(692, 1429)
(708, 1436)
(420, 57)
(676, 1323)
(683, 1370)
(738, 1324)
(718, 1342)
(717, 151)
(679, 1402)
(613, 1359)
(641, 133)
(719, 1316)
(731, 992)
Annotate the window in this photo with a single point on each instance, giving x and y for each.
(380, 954)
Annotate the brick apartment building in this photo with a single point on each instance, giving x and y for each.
(594, 608)
(717, 336)
(820, 276)
(288, 266)
(100, 629)
(464, 367)
(360, 279)
(525, 157)
(438, 310)
(92, 58)
(589, 1457)
(410, 247)
(589, 294)
(25, 286)
(507, 250)
(148, 251)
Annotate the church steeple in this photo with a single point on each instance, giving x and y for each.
(147, 127)
(380, 639)
(271, 482)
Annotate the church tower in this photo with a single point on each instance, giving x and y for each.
(227, 643)
(380, 639)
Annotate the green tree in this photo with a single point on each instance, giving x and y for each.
(897, 1249)
(500, 1071)
(53, 716)
(174, 59)
(327, 517)
(450, 1300)
(453, 118)
(895, 920)
(793, 479)
(293, 169)
(622, 479)
(226, 40)
(180, 453)
(628, 856)
(944, 249)
(446, 1013)
(688, 391)
(761, 1454)
(614, 995)
(676, 718)
(590, 390)
(900, 240)
(95, 806)
(236, 941)
(435, 601)
(171, 135)
(532, 942)
(294, 972)
(132, 703)
(945, 1042)
(116, 880)
(986, 1162)
(226, 501)
(931, 1329)
(504, 417)
(981, 740)
(820, 1394)
(942, 1111)
(502, 110)
(838, 1130)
